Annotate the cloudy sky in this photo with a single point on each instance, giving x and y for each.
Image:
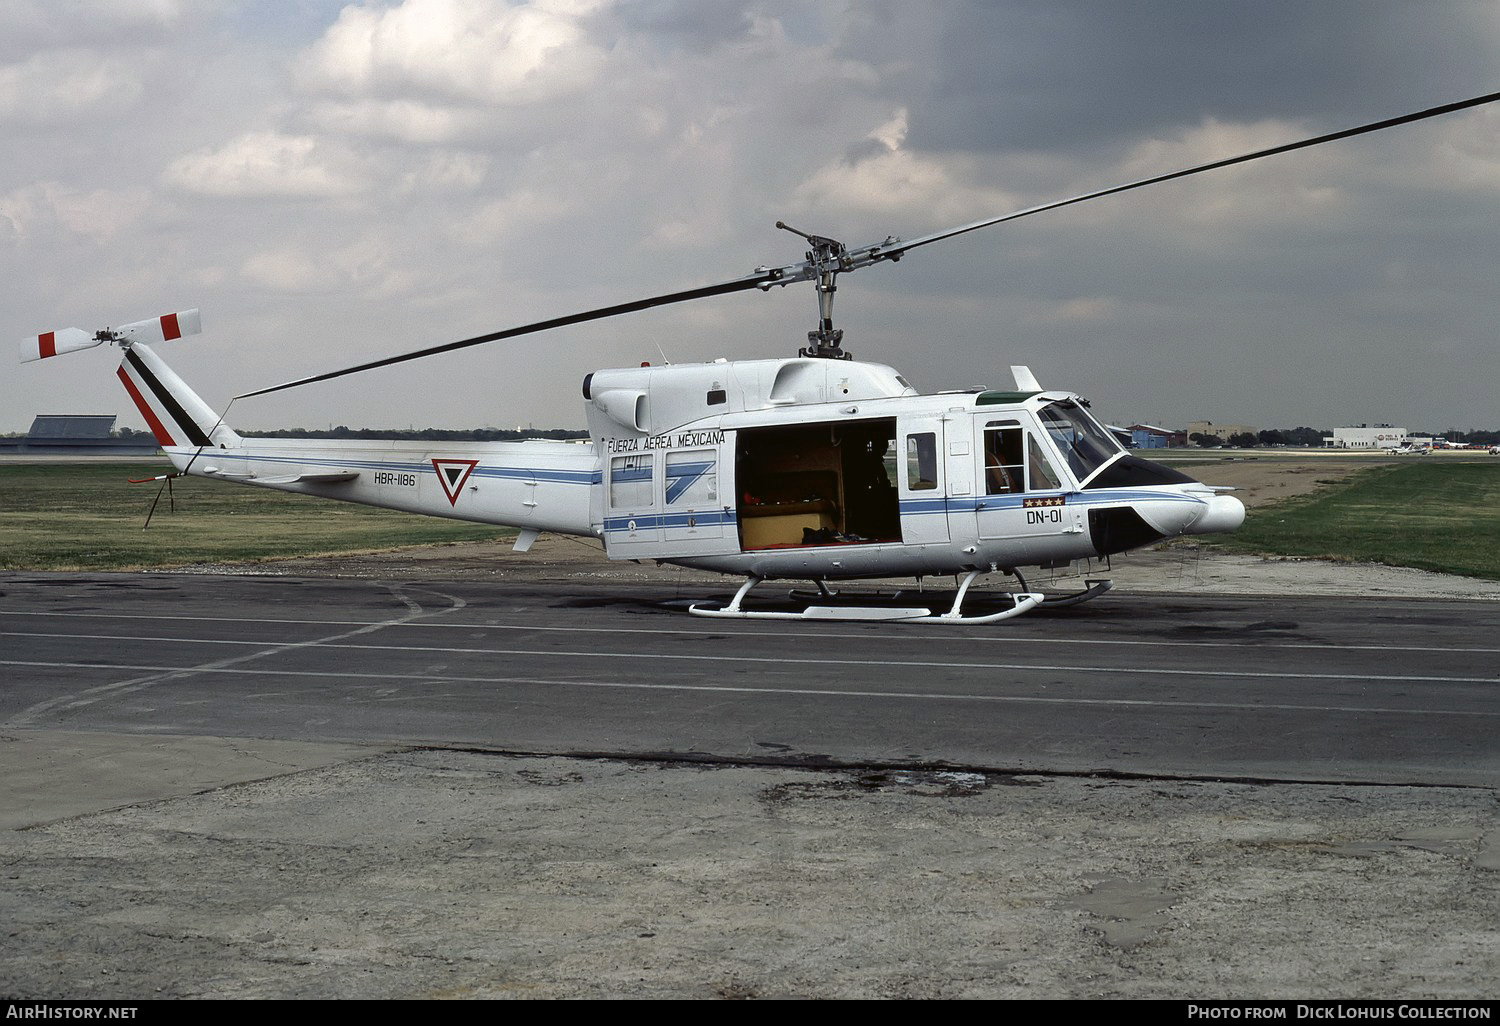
(335, 182)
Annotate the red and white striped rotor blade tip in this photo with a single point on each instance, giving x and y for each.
(55, 343)
(163, 328)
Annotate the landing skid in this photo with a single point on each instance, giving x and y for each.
(1093, 590)
(1020, 603)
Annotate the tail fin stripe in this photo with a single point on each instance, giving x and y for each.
(169, 328)
(158, 429)
(169, 402)
(47, 344)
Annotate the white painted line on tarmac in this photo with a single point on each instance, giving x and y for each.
(273, 647)
(908, 634)
(414, 610)
(175, 672)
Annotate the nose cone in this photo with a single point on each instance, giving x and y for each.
(1221, 513)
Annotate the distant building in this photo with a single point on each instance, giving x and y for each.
(70, 429)
(76, 434)
(1149, 436)
(1208, 427)
(1369, 436)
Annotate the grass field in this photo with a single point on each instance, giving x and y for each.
(58, 516)
(1431, 516)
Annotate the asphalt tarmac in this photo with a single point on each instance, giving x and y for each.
(1202, 687)
(502, 788)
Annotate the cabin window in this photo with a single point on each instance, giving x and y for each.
(693, 478)
(630, 482)
(717, 397)
(921, 461)
(1004, 471)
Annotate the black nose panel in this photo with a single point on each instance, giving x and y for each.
(1133, 472)
(1120, 529)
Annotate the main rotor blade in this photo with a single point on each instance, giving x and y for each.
(851, 260)
(887, 251)
(761, 278)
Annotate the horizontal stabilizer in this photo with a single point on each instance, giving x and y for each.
(330, 477)
(55, 343)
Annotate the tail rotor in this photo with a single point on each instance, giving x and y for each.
(71, 340)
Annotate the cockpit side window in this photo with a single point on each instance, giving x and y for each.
(1082, 441)
(1006, 470)
(1043, 477)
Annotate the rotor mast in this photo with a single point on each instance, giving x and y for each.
(825, 259)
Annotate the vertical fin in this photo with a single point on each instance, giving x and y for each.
(174, 412)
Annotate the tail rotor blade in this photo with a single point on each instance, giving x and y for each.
(55, 343)
(162, 329)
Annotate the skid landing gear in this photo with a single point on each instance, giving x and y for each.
(1092, 590)
(1020, 603)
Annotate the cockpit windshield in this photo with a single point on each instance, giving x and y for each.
(1083, 442)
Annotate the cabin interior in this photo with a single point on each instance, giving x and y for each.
(818, 484)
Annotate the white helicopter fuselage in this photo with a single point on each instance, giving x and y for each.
(797, 468)
(824, 469)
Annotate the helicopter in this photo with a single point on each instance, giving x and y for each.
(811, 468)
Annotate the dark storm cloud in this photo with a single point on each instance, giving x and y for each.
(1042, 75)
(693, 23)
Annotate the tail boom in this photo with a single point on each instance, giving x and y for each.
(532, 486)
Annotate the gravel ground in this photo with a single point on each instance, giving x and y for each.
(445, 874)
